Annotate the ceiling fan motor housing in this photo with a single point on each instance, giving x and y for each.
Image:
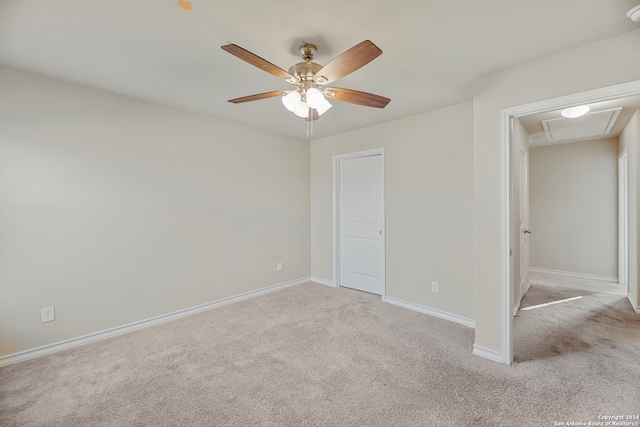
(305, 70)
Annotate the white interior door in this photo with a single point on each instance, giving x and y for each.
(361, 224)
(523, 215)
(623, 221)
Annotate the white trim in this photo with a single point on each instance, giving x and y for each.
(589, 97)
(506, 115)
(336, 211)
(487, 353)
(107, 333)
(609, 279)
(465, 321)
(322, 281)
(506, 292)
(636, 309)
(336, 226)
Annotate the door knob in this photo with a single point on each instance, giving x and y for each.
(381, 232)
(527, 231)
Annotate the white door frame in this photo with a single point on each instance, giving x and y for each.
(506, 151)
(336, 212)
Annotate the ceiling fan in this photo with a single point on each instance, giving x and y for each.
(309, 97)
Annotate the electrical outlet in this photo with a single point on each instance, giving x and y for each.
(47, 314)
(434, 286)
(279, 266)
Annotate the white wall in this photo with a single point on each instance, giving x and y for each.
(569, 72)
(574, 207)
(115, 210)
(630, 141)
(429, 205)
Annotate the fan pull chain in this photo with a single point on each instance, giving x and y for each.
(310, 126)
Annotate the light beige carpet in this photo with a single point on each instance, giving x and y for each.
(313, 355)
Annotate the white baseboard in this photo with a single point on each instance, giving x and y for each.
(487, 353)
(576, 275)
(633, 305)
(96, 336)
(322, 281)
(431, 311)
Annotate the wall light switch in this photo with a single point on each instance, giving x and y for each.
(434, 286)
(279, 266)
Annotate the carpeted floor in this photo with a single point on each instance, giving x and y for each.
(313, 355)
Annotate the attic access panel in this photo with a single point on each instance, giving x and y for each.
(592, 124)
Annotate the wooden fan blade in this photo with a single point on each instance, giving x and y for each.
(256, 61)
(313, 115)
(356, 97)
(347, 62)
(259, 96)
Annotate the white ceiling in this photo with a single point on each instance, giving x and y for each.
(154, 50)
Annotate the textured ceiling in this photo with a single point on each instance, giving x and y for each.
(155, 50)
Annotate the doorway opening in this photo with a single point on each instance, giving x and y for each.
(508, 150)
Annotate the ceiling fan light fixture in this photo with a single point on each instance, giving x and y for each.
(308, 99)
(291, 100)
(575, 112)
(302, 110)
(315, 98)
(322, 108)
